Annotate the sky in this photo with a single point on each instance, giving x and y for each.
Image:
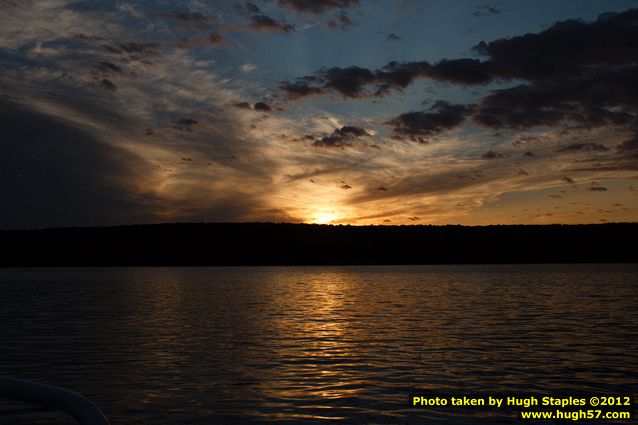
(319, 111)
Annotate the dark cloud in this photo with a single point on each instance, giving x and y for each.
(299, 89)
(419, 126)
(109, 67)
(265, 23)
(185, 16)
(581, 72)
(584, 147)
(397, 76)
(462, 71)
(492, 155)
(341, 137)
(262, 107)
(348, 81)
(597, 98)
(574, 72)
(352, 82)
(184, 124)
(252, 7)
(213, 39)
(317, 6)
(629, 147)
(341, 20)
(259, 106)
(248, 8)
(392, 37)
(108, 84)
(486, 10)
(566, 48)
(351, 131)
(56, 174)
(518, 107)
(207, 33)
(142, 49)
(242, 105)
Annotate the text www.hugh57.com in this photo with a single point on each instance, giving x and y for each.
(575, 415)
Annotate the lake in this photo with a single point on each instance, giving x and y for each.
(160, 346)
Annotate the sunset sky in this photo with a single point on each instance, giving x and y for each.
(321, 111)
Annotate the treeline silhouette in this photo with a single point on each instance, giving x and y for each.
(200, 244)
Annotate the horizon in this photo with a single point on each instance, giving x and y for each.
(349, 112)
(221, 223)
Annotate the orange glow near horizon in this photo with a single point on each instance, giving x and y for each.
(324, 217)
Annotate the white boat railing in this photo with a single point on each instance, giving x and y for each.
(74, 404)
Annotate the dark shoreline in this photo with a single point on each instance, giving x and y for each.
(244, 244)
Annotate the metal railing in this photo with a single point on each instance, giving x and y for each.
(76, 405)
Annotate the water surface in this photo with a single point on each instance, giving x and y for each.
(160, 346)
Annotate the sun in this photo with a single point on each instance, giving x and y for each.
(325, 217)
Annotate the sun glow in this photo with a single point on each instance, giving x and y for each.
(324, 218)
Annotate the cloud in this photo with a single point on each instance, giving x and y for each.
(265, 23)
(172, 105)
(486, 10)
(629, 147)
(248, 8)
(212, 39)
(184, 124)
(252, 7)
(108, 84)
(594, 99)
(341, 137)
(355, 81)
(141, 49)
(347, 81)
(259, 106)
(55, 173)
(420, 126)
(584, 147)
(397, 76)
(572, 72)
(242, 105)
(461, 71)
(299, 89)
(392, 37)
(567, 48)
(248, 67)
(492, 155)
(576, 71)
(341, 20)
(185, 16)
(109, 68)
(262, 107)
(215, 39)
(240, 162)
(317, 6)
